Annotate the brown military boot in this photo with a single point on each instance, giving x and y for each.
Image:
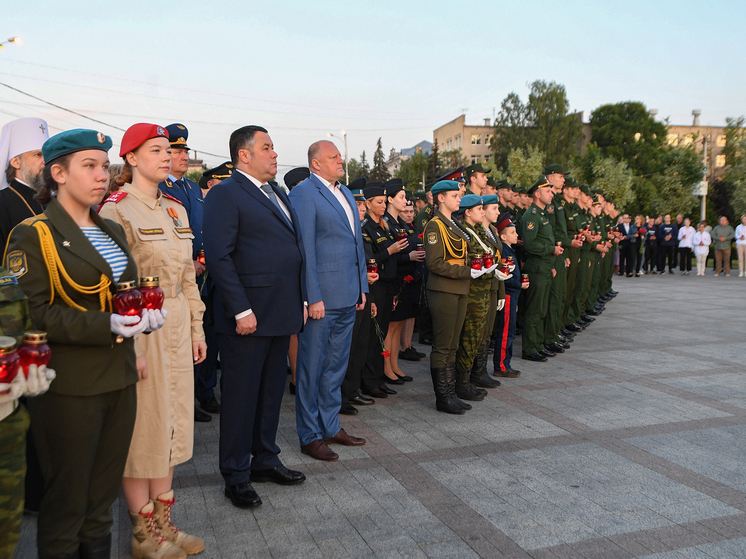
(147, 542)
(190, 544)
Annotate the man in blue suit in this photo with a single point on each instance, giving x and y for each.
(254, 252)
(336, 284)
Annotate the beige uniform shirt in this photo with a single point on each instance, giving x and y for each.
(161, 243)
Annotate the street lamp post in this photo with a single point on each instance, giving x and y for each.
(347, 172)
(16, 40)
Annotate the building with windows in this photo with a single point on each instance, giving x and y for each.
(473, 139)
(696, 134)
(397, 157)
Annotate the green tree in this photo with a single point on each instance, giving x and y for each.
(612, 176)
(434, 170)
(627, 132)
(359, 168)
(735, 176)
(379, 171)
(544, 121)
(412, 170)
(525, 169)
(194, 175)
(735, 136)
(680, 173)
(451, 159)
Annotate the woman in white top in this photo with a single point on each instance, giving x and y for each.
(686, 234)
(701, 241)
(741, 245)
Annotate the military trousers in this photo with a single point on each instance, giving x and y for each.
(597, 262)
(572, 273)
(505, 322)
(448, 312)
(577, 307)
(537, 302)
(556, 309)
(82, 442)
(475, 323)
(12, 473)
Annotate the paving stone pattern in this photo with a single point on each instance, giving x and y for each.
(631, 444)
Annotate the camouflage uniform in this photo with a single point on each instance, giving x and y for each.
(15, 319)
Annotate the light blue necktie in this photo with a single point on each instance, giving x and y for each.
(273, 197)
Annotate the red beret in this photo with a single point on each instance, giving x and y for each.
(503, 222)
(137, 134)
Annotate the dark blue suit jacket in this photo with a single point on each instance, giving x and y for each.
(192, 202)
(630, 236)
(335, 259)
(255, 259)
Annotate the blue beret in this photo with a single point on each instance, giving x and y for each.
(444, 186)
(178, 134)
(469, 201)
(71, 141)
(489, 199)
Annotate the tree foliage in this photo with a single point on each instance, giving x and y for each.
(681, 170)
(412, 171)
(379, 171)
(627, 132)
(608, 174)
(451, 159)
(434, 171)
(360, 168)
(524, 169)
(735, 156)
(544, 121)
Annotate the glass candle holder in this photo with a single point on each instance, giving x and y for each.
(9, 360)
(488, 259)
(524, 278)
(128, 299)
(476, 263)
(372, 267)
(401, 235)
(152, 294)
(34, 350)
(201, 257)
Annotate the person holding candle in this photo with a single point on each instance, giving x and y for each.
(446, 250)
(686, 245)
(159, 236)
(651, 246)
(68, 261)
(638, 242)
(722, 234)
(701, 241)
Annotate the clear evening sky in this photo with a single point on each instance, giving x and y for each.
(395, 69)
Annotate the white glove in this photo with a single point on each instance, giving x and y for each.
(501, 276)
(500, 304)
(154, 318)
(39, 379)
(15, 388)
(491, 268)
(477, 273)
(125, 325)
(511, 268)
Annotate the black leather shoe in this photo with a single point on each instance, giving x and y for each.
(555, 347)
(587, 318)
(348, 409)
(613, 293)
(567, 333)
(535, 357)
(386, 390)
(98, 549)
(563, 345)
(362, 401)
(279, 474)
(201, 416)
(574, 328)
(210, 405)
(547, 353)
(405, 378)
(242, 495)
(375, 392)
(291, 388)
(407, 355)
(582, 323)
(417, 353)
(396, 380)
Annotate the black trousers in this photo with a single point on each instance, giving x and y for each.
(667, 254)
(626, 259)
(383, 296)
(82, 443)
(637, 250)
(685, 259)
(358, 353)
(650, 258)
(253, 375)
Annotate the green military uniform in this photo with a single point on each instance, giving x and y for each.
(538, 245)
(555, 314)
(578, 295)
(15, 319)
(422, 217)
(572, 216)
(597, 227)
(83, 425)
(424, 321)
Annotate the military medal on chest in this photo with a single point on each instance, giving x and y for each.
(175, 216)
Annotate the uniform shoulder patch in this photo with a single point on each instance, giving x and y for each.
(364, 222)
(33, 219)
(533, 210)
(432, 238)
(8, 280)
(116, 197)
(15, 262)
(530, 225)
(550, 208)
(171, 198)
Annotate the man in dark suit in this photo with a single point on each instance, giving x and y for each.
(626, 245)
(336, 283)
(254, 252)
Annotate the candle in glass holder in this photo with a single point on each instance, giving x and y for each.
(201, 257)
(510, 261)
(524, 278)
(372, 267)
(34, 350)
(420, 248)
(401, 235)
(504, 267)
(8, 360)
(128, 299)
(488, 259)
(476, 263)
(152, 294)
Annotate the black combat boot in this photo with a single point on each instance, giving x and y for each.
(479, 375)
(465, 389)
(451, 372)
(98, 549)
(443, 401)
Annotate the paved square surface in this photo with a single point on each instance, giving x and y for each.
(631, 444)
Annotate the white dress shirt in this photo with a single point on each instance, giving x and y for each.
(703, 238)
(258, 184)
(740, 230)
(686, 235)
(336, 190)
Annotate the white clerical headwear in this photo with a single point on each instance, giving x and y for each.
(20, 136)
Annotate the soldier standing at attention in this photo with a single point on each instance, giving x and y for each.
(571, 212)
(476, 179)
(424, 322)
(446, 250)
(541, 252)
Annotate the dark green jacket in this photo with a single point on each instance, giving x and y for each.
(447, 274)
(537, 234)
(85, 354)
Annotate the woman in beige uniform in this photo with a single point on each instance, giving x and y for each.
(159, 236)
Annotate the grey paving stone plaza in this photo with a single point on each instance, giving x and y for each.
(632, 444)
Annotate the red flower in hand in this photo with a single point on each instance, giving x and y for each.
(408, 279)
(419, 236)
(386, 353)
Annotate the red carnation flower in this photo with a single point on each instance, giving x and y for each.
(386, 353)
(408, 279)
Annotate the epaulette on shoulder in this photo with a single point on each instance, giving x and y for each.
(33, 219)
(171, 198)
(365, 221)
(116, 197)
